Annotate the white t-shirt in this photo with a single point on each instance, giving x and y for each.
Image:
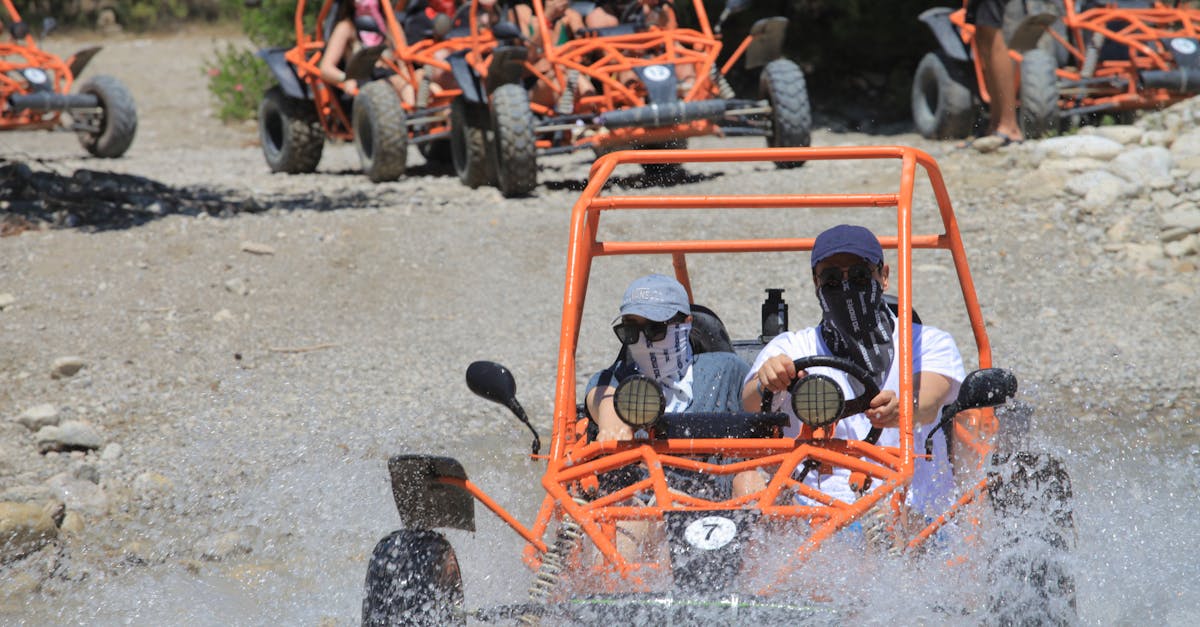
(934, 350)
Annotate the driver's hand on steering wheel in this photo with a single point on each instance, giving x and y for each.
(885, 410)
(777, 373)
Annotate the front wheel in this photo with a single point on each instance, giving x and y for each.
(113, 132)
(290, 133)
(468, 147)
(380, 132)
(413, 579)
(514, 154)
(1029, 575)
(942, 104)
(782, 84)
(1039, 95)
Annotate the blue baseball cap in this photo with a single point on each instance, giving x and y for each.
(655, 297)
(847, 238)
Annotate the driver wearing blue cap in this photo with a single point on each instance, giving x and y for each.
(850, 277)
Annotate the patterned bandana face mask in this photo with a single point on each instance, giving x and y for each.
(668, 361)
(857, 325)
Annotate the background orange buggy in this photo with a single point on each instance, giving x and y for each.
(651, 87)
(303, 110)
(35, 90)
(1078, 61)
(709, 569)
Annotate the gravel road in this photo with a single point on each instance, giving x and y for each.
(254, 370)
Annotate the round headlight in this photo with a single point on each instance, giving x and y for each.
(639, 401)
(817, 400)
(35, 76)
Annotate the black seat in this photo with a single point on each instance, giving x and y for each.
(708, 332)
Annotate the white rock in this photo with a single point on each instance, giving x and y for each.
(1158, 138)
(7, 300)
(1121, 133)
(1075, 146)
(256, 248)
(1184, 247)
(1143, 254)
(1186, 145)
(237, 286)
(222, 316)
(79, 495)
(111, 452)
(66, 367)
(1173, 234)
(1149, 166)
(1183, 218)
(39, 416)
(70, 435)
(1082, 184)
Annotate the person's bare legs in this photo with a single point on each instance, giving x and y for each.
(1000, 76)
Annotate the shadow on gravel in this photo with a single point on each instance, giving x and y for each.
(668, 176)
(95, 200)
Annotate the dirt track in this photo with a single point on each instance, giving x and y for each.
(266, 390)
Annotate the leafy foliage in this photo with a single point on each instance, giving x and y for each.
(237, 79)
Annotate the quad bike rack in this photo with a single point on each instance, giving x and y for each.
(581, 507)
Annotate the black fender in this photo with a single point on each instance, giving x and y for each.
(507, 66)
(422, 500)
(80, 60)
(944, 31)
(467, 79)
(768, 34)
(289, 82)
(362, 65)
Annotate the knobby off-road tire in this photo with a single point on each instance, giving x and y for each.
(469, 148)
(782, 84)
(1039, 113)
(290, 133)
(942, 102)
(514, 150)
(380, 132)
(413, 579)
(118, 120)
(1029, 577)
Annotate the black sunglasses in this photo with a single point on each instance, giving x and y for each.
(628, 332)
(859, 274)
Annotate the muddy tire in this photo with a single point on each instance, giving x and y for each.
(413, 579)
(380, 132)
(469, 148)
(1029, 577)
(1039, 113)
(117, 124)
(290, 133)
(782, 84)
(942, 102)
(514, 151)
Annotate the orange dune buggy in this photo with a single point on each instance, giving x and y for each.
(35, 91)
(299, 113)
(710, 568)
(1078, 62)
(652, 87)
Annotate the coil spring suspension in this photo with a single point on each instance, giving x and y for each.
(723, 86)
(423, 91)
(566, 102)
(554, 562)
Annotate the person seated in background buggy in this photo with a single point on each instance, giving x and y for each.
(345, 39)
(565, 24)
(850, 277)
(644, 14)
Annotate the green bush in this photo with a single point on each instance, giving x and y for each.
(237, 79)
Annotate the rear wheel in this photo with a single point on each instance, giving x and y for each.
(380, 132)
(782, 84)
(290, 133)
(1039, 95)
(468, 148)
(413, 579)
(942, 103)
(514, 150)
(113, 132)
(1029, 576)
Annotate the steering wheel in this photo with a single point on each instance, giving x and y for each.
(853, 406)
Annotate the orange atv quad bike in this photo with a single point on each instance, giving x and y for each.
(1079, 62)
(653, 87)
(35, 92)
(302, 111)
(707, 568)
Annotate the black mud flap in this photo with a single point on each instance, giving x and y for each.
(284, 73)
(507, 66)
(938, 21)
(424, 502)
(466, 78)
(660, 82)
(707, 548)
(362, 64)
(768, 34)
(1030, 30)
(81, 59)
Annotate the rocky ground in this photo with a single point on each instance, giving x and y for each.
(203, 368)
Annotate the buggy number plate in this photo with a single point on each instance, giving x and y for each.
(1183, 46)
(657, 73)
(710, 533)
